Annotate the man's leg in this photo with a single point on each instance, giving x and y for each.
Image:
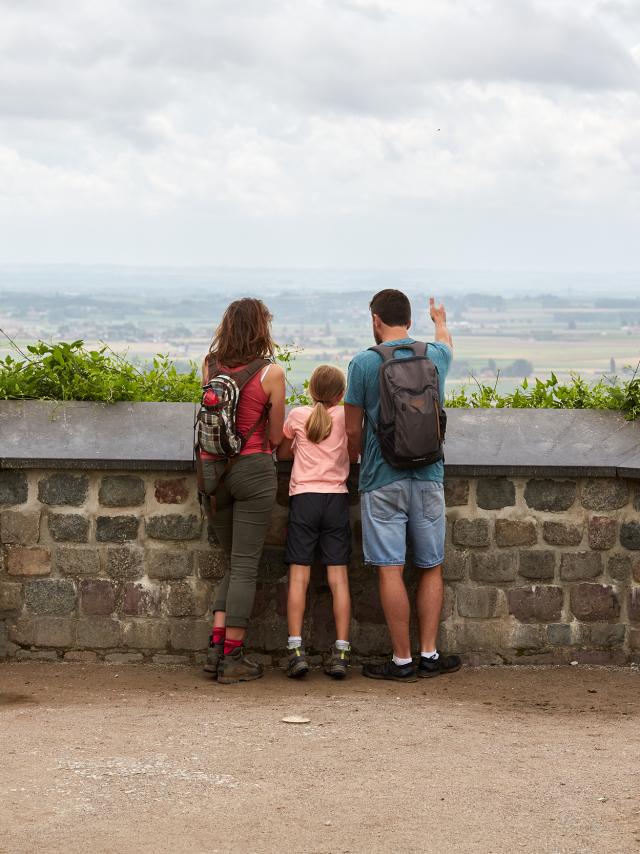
(429, 605)
(397, 612)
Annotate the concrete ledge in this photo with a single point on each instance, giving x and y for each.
(159, 436)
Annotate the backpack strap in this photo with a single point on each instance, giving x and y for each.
(388, 353)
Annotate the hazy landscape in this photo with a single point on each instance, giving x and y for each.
(516, 325)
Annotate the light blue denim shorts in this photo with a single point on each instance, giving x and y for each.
(406, 509)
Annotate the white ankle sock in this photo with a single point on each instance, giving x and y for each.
(433, 654)
(401, 661)
(294, 642)
(343, 645)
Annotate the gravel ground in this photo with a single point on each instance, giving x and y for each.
(99, 758)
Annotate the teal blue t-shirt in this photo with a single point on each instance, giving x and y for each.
(363, 389)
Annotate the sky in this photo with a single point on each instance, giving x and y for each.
(444, 134)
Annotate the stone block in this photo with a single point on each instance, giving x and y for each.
(162, 563)
(173, 526)
(559, 634)
(36, 655)
(189, 634)
(604, 493)
(186, 601)
(367, 607)
(486, 635)
(633, 638)
(10, 596)
(594, 602)
(537, 564)
(211, 563)
(172, 491)
(448, 603)
(145, 634)
(456, 492)
(50, 596)
(480, 603)
(63, 488)
(21, 528)
(455, 564)
(97, 596)
(527, 638)
(561, 533)
(515, 532)
(554, 496)
(619, 568)
(13, 487)
(633, 604)
(603, 532)
(75, 561)
(54, 631)
(471, 532)
(370, 639)
(22, 629)
(606, 635)
(494, 493)
(277, 530)
(68, 527)
(636, 500)
(141, 600)
(493, 567)
(98, 633)
(22, 560)
(576, 566)
(537, 604)
(125, 562)
(630, 535)
(282, 493)
(121, 490)
(116, 529)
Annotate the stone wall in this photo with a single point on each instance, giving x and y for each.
(117, 565)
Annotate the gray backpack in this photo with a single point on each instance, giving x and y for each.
(412, 423)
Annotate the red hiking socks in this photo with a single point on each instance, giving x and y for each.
(217, 635)
(231, 646)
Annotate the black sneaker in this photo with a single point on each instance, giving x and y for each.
(391, 670)
(297, 664)
(429, 667)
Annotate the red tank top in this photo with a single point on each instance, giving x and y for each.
(253, 399)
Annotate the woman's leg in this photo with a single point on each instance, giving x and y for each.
(297, 597)
(252, 483)
(339, 584)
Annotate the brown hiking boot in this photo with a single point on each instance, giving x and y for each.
(338, 662)
(214, 654)
(235, 667)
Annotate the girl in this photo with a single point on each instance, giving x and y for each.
(318, 513)
(245, 490)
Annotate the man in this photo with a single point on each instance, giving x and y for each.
(398, 501)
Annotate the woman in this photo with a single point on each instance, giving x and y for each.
(244, 489)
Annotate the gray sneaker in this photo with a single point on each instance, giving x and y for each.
(297, 664)
(235, 667)
(214, 654)
(338, 662)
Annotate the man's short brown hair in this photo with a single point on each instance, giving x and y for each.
(392, 307)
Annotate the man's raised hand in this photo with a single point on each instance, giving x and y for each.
(437, 312)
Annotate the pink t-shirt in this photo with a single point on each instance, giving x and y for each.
(322, 467)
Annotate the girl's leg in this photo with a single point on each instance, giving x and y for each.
(297, 597)
(339, 584)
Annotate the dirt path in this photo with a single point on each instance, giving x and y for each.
(143, 759)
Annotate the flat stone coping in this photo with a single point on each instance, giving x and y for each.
(159, 436)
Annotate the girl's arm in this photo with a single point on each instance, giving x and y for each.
(285, 449)
(274, 387)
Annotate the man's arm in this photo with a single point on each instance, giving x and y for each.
(353, 416)
(439, 317)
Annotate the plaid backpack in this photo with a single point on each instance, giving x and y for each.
(216, 430)
(412, 423)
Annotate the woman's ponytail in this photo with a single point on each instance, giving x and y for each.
(326, 386)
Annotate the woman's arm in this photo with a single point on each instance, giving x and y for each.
(273, 385)
(205, 371)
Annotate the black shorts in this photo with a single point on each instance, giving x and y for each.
(319, 520)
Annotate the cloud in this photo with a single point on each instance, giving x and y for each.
(314, 109)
